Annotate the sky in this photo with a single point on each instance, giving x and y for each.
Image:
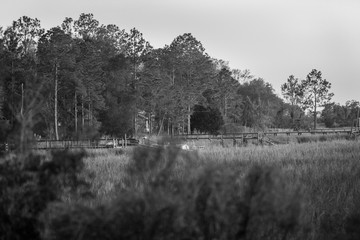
(272, 38)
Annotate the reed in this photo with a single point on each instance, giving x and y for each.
(293, 191)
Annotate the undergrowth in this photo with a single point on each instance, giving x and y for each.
(209, 202)
(298, 191)
(29, 183)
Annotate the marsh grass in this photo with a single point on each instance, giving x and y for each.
(295, 191)
(329, 173)
(107, 166)
(167, 194)
(277, 140)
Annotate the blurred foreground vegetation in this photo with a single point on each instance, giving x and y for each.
(294, 191)
(82, 80)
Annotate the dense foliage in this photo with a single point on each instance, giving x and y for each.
(92, 79)
(82, 79)
(206, 120)
(29, 183)
(159, 200)
(297, 191)
(336, 115)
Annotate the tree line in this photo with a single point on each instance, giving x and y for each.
(83, 79)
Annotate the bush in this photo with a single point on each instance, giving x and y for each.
(206, 120)
(159, 202)
(29, 183)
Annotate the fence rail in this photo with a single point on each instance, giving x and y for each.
(264, 137)
(258, 135)
(99, 143)
(125, 142)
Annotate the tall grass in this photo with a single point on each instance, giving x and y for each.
(295, 191)
(279, 139)
(108, 170)
(329, 173)
(161, 200)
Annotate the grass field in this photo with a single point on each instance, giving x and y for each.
(306, 189)
(294, 191)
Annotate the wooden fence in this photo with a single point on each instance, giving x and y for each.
(235, 137)
(263, 136)
(254, 135)
(99, 143)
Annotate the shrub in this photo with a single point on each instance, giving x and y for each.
(29, 183)
(206, 120)
(159, 202)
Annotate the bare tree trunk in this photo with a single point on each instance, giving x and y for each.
(225, 103)
(135, 122)
(22, 99)
(89, 115)
(172, 129)
(188, 120)
(315, 114)
(56, 103)
(135, 87)
(150, 124)
(292, 115)
(12, 88)
(82, 114)
(183, 126)
(173, 77)
(168, 126)
(161, 125)
(89, 111)
(76, 112)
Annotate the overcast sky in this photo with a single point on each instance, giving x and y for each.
(272, 38)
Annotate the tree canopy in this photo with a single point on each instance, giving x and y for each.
(316, 92)
(92, 79)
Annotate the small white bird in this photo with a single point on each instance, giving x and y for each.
(185, 147)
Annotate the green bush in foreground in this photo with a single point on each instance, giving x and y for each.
(162, 202)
